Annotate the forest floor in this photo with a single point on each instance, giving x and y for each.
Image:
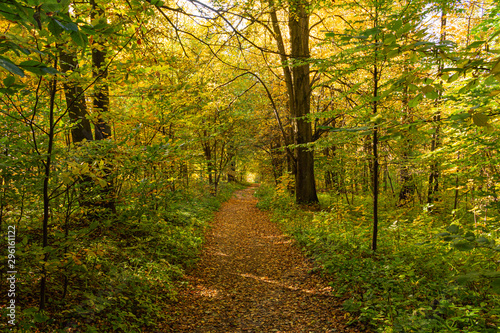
(253, 278)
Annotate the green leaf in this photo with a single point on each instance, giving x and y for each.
(371, 32)
(414, 102)
(482, 240)
(11, 67)
(377, 119)
(496, 33)
(9, 80)
(406, 28)
(463, 279)
(432, 95)
(460, 116)
(393, 53)
(453, 229)
(480, 119)
(37, 67)
(463, 245)
(70, 26)
(88, 29)
(469, 235)
(389, 39)
(454, 77)
(396, 25)
(79, 39)
(354, 129)
(55, 27)
(495, 285)
(475, 44)
(40, 317)
(469, 277)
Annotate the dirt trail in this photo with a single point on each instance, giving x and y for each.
(251, 278)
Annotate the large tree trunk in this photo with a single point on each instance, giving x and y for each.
(75, 101)
(298, 88)
(305, 185)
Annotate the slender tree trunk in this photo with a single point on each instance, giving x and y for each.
(407, 182)
(331, 177)
(100, 71)
(455, 204)
(375, 143)
(389, 178)
(101, 103)
(231, 175)
(367, 182)
(46, 197)
(207, 151)
(434, 170)
(210, 164)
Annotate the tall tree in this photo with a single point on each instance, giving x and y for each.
(75, 98)
(101, 97)
(100, 72)
(435, 142)
(297, 78)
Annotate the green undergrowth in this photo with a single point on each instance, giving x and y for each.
(432, 272)
(120, 272)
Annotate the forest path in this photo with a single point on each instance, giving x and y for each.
(251, 278)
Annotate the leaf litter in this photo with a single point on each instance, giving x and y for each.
(253, 278)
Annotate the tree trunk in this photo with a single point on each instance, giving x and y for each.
(46, 196)
(100, 71)
(375, 142)
(434, 171)
(231, 175)
(305, 185)
(408, 185)
(296, 74)
(101, 103)
(75, 100)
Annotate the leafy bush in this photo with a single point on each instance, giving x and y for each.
(422, 279)
(118, 273)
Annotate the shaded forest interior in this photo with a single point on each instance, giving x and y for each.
(371, 127)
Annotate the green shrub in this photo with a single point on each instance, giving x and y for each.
(425, 277)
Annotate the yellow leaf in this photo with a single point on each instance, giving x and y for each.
(102, 182)
(480, 119)
(427, 89)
